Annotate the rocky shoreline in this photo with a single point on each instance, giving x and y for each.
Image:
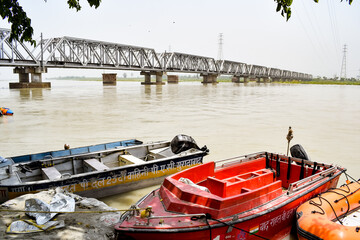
(80, 226)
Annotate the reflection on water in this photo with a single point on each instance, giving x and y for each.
(231, 119)
(33, 93)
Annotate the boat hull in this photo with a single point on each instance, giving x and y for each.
(275, 223)
(110, 182)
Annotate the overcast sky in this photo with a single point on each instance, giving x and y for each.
(311, 41)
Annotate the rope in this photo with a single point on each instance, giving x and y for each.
(289, 168)
(347, 175)
(277, 165)
(323, 212)
(207, 222)
(208, 216)
(103, 211)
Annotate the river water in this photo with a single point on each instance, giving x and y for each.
(231, 119)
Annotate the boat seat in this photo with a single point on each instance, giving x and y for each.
(95, 164)
(50, 173)
(128, 159)
(216, 186)
(162, 152)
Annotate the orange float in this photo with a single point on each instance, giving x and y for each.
(5, 111)
(331, 215)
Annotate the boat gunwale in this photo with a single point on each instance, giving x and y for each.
(252, 156)
(116, 149)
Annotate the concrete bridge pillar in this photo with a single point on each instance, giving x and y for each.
(147, 76)
(235, 79)
(172, 78)
(209, 78)
(159, 78)
(265, 79)
(246, 79)
(36, 78)
(109, 78)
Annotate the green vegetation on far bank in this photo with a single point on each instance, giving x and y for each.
(327, 82)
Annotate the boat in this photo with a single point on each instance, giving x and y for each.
(6, 111)
(334, 214)
(95, 171)
(247, 197)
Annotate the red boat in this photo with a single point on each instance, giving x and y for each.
(248, 197)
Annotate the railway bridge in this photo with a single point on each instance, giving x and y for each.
(70, 52)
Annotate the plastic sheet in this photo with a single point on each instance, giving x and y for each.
(59, 203)
(189, 182)
(29, 226)
(3, 160)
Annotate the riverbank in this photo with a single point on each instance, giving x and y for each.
(89, 226)
(221, 79)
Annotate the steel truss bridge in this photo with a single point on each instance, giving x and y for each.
(70, 52)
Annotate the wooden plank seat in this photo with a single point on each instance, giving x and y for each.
(129, 159)
(50, 173)
(95, 164)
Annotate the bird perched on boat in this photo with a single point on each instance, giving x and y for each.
(66, 147)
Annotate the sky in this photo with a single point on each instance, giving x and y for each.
(312, 41)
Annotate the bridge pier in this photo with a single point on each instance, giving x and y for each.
(36, 78)
(147, 76)
(262, 79)
(276, 79)
(109, 79)
(172, 78)
(209, 78)
(240, 79)
(235, 79)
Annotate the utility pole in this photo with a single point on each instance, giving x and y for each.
(220, 50)
(343, 65)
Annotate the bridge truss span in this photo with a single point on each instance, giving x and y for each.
(181, 62)
(237, 69)
(81, 53)
(70, 52)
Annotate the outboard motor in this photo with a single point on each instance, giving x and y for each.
(182, 143)
(298, 151)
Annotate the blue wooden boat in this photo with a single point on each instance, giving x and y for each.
(99, 170)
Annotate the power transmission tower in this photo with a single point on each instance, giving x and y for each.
(343, 65)
(220, 50)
